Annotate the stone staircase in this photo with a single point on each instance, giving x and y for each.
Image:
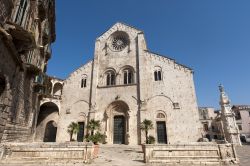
(71, 153)
(16, 133)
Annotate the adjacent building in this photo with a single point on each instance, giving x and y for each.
(211, 124)
(242, 116)
(27, 29)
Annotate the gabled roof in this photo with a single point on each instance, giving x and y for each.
(120, 24)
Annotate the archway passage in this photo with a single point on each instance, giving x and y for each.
(119, 130)
(161, 132)
(46, 125)
(50, 132)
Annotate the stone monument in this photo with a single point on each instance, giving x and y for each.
(230, 128)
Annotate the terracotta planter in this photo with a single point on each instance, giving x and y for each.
(143, 148)
(96, 151)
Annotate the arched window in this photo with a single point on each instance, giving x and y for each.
(128, 76)
(57, 89)
(110, 78)
(21, 13)
(84, 81)
(158, 74)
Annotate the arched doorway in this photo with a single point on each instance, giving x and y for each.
(161, 128)
(50, 132)
(47, 119)
(117, 123)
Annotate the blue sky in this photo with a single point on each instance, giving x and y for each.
(210, 36)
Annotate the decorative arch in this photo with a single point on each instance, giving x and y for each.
(126, 67)
(161, 115)
(117, 110)
(174, 104)
(79, 113)
(109, 69)
(46, 123)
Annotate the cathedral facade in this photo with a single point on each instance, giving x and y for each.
(124, 84)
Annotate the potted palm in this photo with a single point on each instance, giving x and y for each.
(147, 125)
(73, 128)
(93, 125)
(97, 137)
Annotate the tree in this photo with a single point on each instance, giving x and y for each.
(146, 125)
(73, 128)
(93, 125)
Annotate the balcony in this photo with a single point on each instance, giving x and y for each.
(39, 84)
(31, 62)
(23, 39)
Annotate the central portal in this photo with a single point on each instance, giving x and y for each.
(119, 130)
(117, 123)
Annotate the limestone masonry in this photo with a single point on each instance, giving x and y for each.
(124, 84)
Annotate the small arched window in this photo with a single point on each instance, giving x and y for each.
(57, 89)
(110, 78)
(128, 76)
(157, 74)
(84, 82)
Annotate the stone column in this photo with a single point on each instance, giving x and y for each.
(230, 128)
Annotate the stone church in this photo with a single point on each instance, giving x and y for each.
(124, 84)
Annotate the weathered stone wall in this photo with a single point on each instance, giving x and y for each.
(7, 70)
(176, 87)
(5, 10)
(22, 41)
(17, 100)
(75, 101)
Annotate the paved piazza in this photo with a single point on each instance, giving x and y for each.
(122, 155)
(244, 155)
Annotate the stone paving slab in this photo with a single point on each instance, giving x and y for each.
(243, 153)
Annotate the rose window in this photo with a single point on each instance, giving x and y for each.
(118, 41)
